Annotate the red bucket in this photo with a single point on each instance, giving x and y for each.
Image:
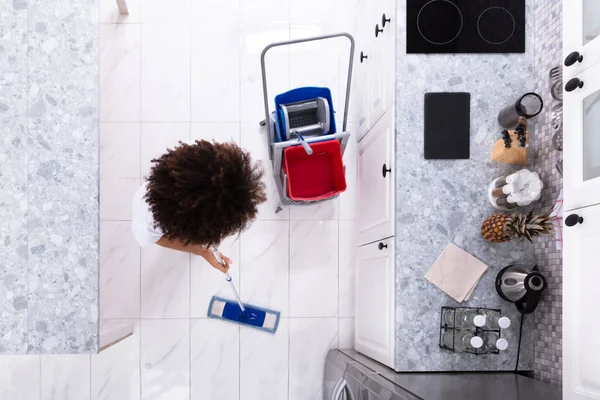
(317, 176)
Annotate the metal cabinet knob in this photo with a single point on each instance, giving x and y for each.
(384, 20)
(363, 56)
(573, 220)
(385, 170)
(573, 58)
(573, 84)
(377, 30)
(382, 246)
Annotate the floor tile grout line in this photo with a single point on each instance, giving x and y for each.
(190, 257)
(141, 99)
(289, 357)
(27, 20)
(240, 142)
(338, 280)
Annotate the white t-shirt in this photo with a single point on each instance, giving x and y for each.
(142, 223)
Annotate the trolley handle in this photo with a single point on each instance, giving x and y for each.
(312, 39)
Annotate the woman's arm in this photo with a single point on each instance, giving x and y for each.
(203, 252)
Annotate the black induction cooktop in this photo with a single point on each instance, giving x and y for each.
(465, 26)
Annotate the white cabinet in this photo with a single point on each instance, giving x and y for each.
(581, 125)
(581, 274)
(375, 290)
(581, 33)
(376, 182)
(375, 62)
(360, 86)
(374, 89)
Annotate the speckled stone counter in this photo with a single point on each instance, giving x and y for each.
(445, 201)
(48, 176)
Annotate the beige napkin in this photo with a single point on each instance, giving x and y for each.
(456, 272)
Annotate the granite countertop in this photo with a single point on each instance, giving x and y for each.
(49, 170)
(443, 201)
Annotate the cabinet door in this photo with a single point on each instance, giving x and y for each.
(375, 290)
(376, 191)
(377, 84)
(363, 58)
(581, 127)
(581, 33)
(581, 274)
(381, 66)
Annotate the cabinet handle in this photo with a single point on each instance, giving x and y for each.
(573, 220)
(363, 56)
(385, 170)
(384, 20)
(573, 58)
(382, 246)
(377, 30)
(573, 84)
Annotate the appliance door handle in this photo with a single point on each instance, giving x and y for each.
(349, 394)
(340, 388)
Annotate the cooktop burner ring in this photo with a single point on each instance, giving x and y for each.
(506, 12)
(419, 22)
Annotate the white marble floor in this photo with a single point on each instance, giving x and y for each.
(181, 70)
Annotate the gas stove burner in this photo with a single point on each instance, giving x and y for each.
(438, 30)
(496, 25)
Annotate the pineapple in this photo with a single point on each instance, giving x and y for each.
(500, 228)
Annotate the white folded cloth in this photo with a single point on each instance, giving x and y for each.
(456, 272)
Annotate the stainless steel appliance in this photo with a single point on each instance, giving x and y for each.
(522, 285)
(352, 376)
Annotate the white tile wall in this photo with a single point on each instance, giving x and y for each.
(310, 340)
(166, 60)
(119, 271)
(65, 377)
(165, 359)
(165, 283)
(265, 270)
(184, 70)
(120, 178)
(20, 377)
(264, 363)
(314, 269)
(120, 72)
(215, 360)
(115, 372)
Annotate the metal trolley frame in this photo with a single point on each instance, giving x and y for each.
(276, 149)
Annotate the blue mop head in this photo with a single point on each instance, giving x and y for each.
(254, 317)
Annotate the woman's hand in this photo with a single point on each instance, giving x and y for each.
(203, 252)
(212, 260)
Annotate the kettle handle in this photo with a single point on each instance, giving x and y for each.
(527, 307)
(533, 296)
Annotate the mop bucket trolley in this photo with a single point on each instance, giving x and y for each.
(305, 146)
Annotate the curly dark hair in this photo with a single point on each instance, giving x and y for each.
(203, 192)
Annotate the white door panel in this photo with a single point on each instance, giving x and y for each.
(375, 290)
(581, 274)
(376, 191)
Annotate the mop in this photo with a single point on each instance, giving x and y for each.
(249, 315)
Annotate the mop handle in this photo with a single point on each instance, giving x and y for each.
(228, 279)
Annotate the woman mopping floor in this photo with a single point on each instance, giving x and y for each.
(195, 196)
